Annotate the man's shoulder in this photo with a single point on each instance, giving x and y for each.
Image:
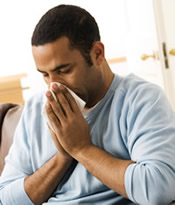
(35, 102)
(135, 91)
(134, 85)
(133, 80)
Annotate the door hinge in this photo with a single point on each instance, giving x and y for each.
(165, 55)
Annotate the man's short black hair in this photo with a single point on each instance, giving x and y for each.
(70, 21)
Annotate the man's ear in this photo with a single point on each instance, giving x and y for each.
(97, 53)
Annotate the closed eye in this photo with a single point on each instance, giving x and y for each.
(45, 74)
(64, 70)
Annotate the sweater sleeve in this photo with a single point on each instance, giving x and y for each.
(17, 167)
(151, 144)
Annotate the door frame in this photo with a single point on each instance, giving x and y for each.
(163, 52)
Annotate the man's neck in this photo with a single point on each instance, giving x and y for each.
(103, 88)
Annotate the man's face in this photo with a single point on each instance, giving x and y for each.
(59, 63)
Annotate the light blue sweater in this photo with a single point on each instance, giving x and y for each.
(133, 121)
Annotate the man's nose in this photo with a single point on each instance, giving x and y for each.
(53, 79)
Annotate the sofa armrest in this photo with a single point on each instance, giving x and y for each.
(4, 107)
(9, 117)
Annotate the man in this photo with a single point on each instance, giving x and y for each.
(119, 150)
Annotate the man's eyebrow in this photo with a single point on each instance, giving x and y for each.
(56, 68)
(60, 66)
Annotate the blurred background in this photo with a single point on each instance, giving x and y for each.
(139, 37)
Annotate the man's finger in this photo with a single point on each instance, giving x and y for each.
(56, 124)
(56, 106)
(70, 99)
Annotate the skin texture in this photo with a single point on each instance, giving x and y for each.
(59, 63)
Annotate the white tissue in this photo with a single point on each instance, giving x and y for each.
(78, 100)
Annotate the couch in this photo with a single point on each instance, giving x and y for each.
(9, 117)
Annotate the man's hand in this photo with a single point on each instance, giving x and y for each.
(71, 129)
(61, 152)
